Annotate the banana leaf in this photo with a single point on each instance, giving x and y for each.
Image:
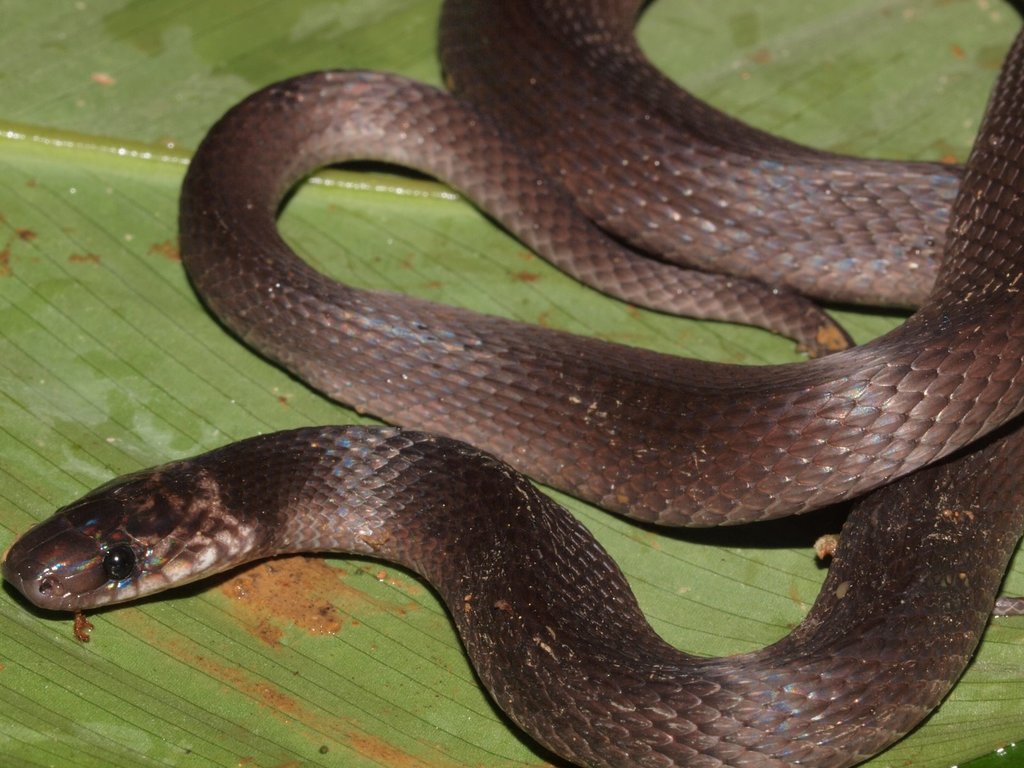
(109, 363)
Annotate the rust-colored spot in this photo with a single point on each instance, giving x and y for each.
(946, 152)
(957, 51)
(168, 249)
(830, 338)
(84, 258)
(762, 56)
(407, 585)
(26, 234)
(102, 78)
(274, 699)
(288, 591)
(5, 261)
(383, 753)
(304, 592)
(526, 277)
(308, 723)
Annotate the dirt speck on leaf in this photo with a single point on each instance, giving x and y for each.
(168, 249)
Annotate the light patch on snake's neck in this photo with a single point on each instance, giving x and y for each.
(211, 537)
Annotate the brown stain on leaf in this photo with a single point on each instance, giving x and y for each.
(526, 277)
(5, 252)
(297, 713)
(830, 339)
(331, 733)
(268, 695)
(794, 595)
(387, 754)
(407, 585)
(25, 234)
(290, 591)
(84, 258)
(168, 249)
(945, 152)
(302, 592)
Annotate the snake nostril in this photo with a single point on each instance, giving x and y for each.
(45, 586)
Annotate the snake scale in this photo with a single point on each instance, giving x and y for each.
(545, 616)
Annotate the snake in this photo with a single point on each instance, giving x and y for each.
(921, 420)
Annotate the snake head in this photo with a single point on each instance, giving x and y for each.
(54, 563)
(134, 536)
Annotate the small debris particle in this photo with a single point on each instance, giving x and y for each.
(826, 545)
(958, 515)
(168, 249)
(82, 627)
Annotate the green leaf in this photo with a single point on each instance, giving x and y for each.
(108, 363)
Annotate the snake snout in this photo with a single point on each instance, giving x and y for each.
(53, 566)
(26, 576)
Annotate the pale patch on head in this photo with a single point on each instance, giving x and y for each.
(210, 538)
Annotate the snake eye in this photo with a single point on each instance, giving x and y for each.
(119, 562)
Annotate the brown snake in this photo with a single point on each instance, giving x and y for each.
(546, 618)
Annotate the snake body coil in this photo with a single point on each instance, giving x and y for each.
(545, 616)
(656, 437)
